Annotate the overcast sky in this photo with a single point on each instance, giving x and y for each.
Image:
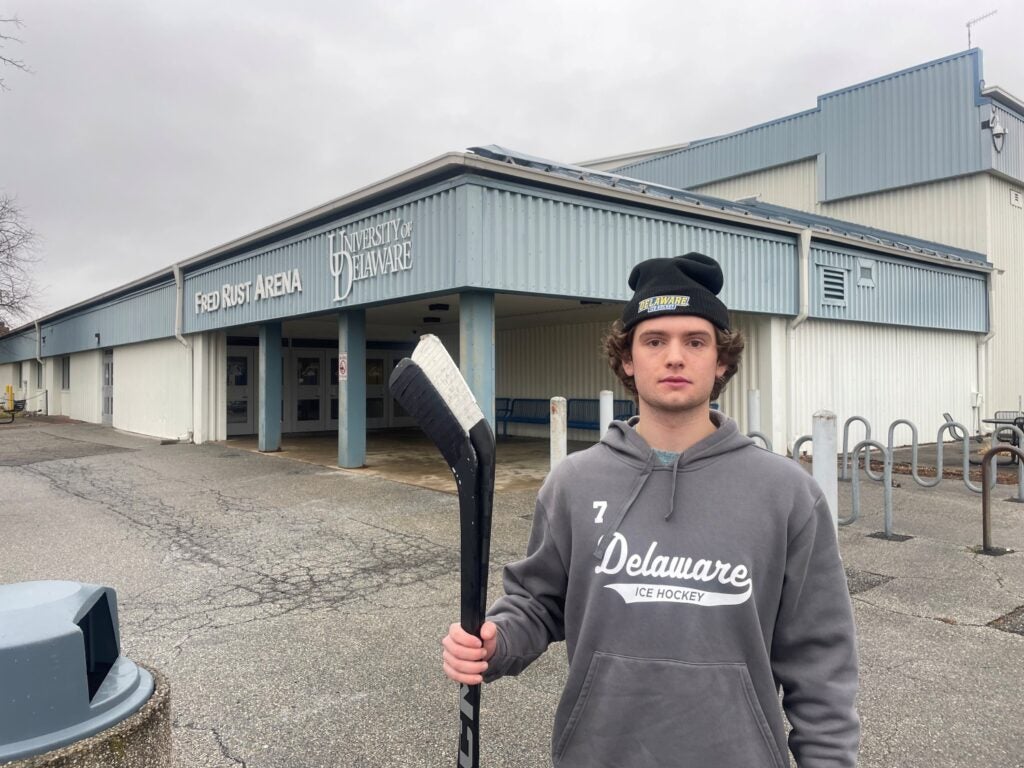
(151, 131)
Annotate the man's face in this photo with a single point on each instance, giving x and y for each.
(675, 363)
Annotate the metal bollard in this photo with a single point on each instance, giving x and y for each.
(986, 499)
(824, 466)
(607, 410)
(559, 431)
(754, 410)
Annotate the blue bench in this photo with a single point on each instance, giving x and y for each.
(524, 410)
(586, 414)
(581, 413)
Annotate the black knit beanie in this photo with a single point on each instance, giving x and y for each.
(685, 285)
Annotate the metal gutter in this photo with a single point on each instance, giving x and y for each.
(1004, 98)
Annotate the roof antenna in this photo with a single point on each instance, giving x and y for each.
(972, 22)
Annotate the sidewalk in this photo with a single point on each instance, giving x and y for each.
(297, 608)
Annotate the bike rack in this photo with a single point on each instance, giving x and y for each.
(986, 499)
(755, 435)
(866, 445)
(845, 474)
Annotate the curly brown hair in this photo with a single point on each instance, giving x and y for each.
(618, 346)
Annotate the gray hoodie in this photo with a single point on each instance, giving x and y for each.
(687, 595)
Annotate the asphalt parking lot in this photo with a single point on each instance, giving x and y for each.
(297, 609)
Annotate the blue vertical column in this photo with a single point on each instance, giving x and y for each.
(476, 347)
(352, 388)
(270, 387)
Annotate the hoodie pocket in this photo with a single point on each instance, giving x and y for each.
(659, 712)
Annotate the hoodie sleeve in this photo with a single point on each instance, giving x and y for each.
(814, 654)
(531, 615)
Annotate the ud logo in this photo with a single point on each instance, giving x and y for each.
(371, 252)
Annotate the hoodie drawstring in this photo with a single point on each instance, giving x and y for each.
(672, 497)
(613, 525)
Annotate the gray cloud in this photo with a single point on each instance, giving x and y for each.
(151, 131)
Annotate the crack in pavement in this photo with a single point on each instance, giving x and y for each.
(941, 619)
(216, 737)
(256, 561)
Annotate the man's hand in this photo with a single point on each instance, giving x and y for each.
(465, 656)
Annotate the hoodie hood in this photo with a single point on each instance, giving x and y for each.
(627, 444)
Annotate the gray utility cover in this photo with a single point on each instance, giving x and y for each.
(62, 677)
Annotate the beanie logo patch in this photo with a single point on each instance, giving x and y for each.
(663, 303)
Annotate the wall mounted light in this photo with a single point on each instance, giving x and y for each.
(997, 129)
(97, 339)
(998, 136)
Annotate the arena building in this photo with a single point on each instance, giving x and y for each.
(519, 264)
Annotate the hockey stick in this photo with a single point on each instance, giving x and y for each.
(430, 387)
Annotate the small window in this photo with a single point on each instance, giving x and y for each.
(833, 286)
(65, 372)
(865, 273)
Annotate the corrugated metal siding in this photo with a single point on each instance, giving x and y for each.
(952, 211)
(733, 401)
(554, 361)
(775, 143)
(793, 185)
(1007, 353)
(947, 211)
(864, 370)
(21, 346)
(568, 361)
(904, 293)
(564, 247)
(141, 316)
(1010, 160)
(435, 229)
(914, 126)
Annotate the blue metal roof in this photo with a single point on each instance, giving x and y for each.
(918, 125)
(912, 246)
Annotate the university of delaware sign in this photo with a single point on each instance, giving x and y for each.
(383, 249)
(262, 288)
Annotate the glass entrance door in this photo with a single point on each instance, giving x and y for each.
(240, 393)
(397, 415)
(309, 411)
(332, 393)
(376, 394)
(108, 387)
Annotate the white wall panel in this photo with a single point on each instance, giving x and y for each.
(568, 361)
(793, 186)
(953, 212)
(1006, 353)
(151, 388)
(882, 373)
(8, 376)
(82, 401)
(209, 386)
(554, 361)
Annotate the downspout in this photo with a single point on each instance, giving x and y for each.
(39, 359)
(179, 310)
(982, 358)
(796, 322)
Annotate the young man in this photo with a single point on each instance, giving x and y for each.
(691, 573)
